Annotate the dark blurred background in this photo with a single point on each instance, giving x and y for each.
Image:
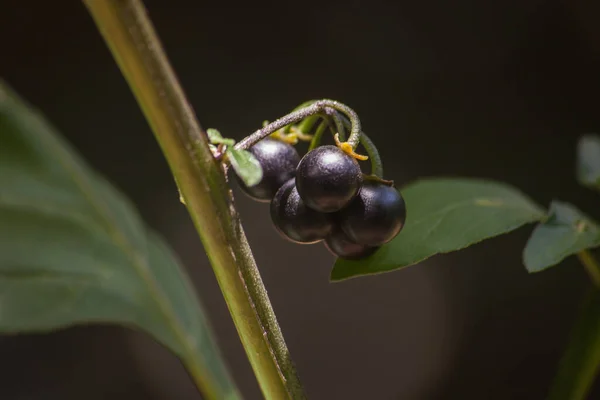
(498, 89)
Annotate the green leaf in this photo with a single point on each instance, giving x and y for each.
(581, 361)
(245, 165)
(74, 251)
(445, 215)
(588, 161)
(566, 231)
(214, 136)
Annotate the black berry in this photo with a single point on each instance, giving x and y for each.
(294, 220)
(340, 245)
(327, 178)
(375, 216)
(278, 161)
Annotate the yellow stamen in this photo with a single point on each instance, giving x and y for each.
(301, 135)
(347, 148)
(290, 138)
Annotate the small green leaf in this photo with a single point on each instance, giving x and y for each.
(214, 136)
(567, 231)
(445, 215)
(246, 166)
(73, 251)
(588, 161)
(581, 362)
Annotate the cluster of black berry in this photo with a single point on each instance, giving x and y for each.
(324, 196)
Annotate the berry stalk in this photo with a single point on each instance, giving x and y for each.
(317, 107)
(316, 140)
(308, 113)
(371, 149)
(134, 44)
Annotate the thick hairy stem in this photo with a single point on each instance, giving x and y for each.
(130, 36)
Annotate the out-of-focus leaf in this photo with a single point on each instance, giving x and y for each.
(73, 250)
(588, 161)
(565, 232)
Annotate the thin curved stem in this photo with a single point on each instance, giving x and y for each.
(591, 265)
(371, 149)
(580, 364)
(339, 125)
(316, 140)
(307, 123)
(305, 104)
(129, 33)
(376, 163)
(298, 115)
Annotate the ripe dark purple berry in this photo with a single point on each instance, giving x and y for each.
(278, 161)
(294, 220)
(327, 178)
(375, 216)
(340, 245)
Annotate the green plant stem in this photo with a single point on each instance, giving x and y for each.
(339, 126)
(371, 149)
(130, 36)
(591, 265)
(332, 113)
(580, 364)
(374, 157)
(307, 124)
(316, 139)
(298, 115)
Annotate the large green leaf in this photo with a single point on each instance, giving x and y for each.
(588, 161)
(74, 251)
(566, 231)
(445, 215)
(581, 362)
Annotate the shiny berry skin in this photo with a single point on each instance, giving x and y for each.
(341, 246)
(327, 178)
(296, 222)
(279, 161)
(375, 216)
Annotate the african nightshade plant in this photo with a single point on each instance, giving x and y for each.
(73, 250)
